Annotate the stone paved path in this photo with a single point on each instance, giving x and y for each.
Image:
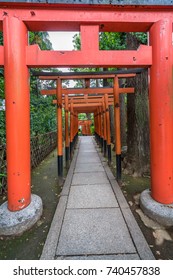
(93, 219)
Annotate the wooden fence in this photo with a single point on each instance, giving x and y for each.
(41, 146)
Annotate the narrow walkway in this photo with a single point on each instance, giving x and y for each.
(93, 219)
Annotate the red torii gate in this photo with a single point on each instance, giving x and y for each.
(103, 136)
(85, 124)
(17, 56)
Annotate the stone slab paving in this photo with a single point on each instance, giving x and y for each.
(89, 178)
(101, 257)
(96, 221)
(92, 196)
(85, 156)
(94, 231)
(88, 167)
(88, 158)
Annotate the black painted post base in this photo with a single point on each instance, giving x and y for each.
(102, 143)
(104, 148)
(99, 141)
(71, 150)
(67, 156)
(76, 140)
(60, 166)
(118, 167)
(109, 154)
(96, 137)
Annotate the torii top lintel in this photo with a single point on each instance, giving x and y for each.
(89, 20)
(69, 15)
(96, 2)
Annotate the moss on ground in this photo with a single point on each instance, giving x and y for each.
(29, 245)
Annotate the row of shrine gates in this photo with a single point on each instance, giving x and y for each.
(84, 127)
(90, 18)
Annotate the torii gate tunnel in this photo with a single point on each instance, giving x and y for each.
(84, 100)
(17, 57)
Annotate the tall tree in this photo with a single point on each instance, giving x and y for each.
(137, 160)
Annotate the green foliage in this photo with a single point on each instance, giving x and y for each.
(40, 38)
(141, 36)
(92, 129)
(2, 125)
(112, 41)
(43, 114)
(76, 42)
(82, 116)
(2, 86)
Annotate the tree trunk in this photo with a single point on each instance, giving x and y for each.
(123, 118)
(137, 159)
(88, 115)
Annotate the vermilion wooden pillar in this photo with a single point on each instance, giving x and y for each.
(108, 129)
(95, 124)
(59, 129)
(101, 128)
(98, 125)
(71, 130)
(67, 152)
(104, 130)
(17, 113)
(75, 135)
(117, 127)
(161, 112)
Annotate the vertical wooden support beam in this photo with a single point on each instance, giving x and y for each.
(95, 122)
(59, 129)
(89, 38)
(161, 112)
(88, 128)
(17, 113)
(101, 128)
(104, 130)
(96, 126)
(67, 149)
(71, 130)
(75, 128)
(99, 124)
(117, 127)
(108, 129)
